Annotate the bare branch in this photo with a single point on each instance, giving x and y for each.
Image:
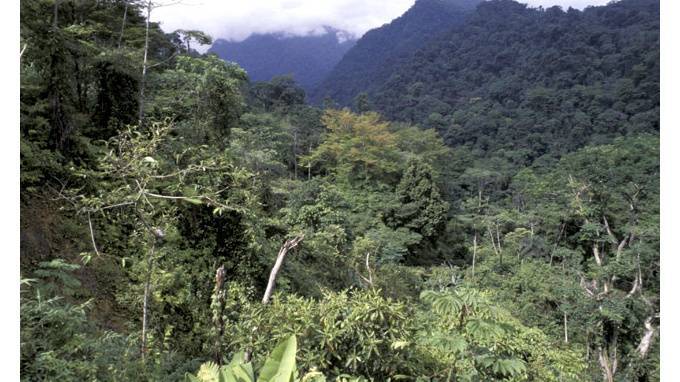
(609, 231)
(646, 341)
(368, 280)
(166, 196)
(596, 253)
(94, 244)
(117, 205)
(287, 246)
(164, 61)
(585, 287)
(636, 286)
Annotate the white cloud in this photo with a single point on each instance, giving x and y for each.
(237, 19)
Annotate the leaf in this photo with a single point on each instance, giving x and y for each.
(244, 373)
(85, 257)
(227, 375)
(508, 366)
(193, 201)
(237, 359)
(280, 366)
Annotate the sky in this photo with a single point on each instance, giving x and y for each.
(237, 19)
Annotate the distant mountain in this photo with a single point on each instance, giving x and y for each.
(374, 57)
(533, 80)
(307, 58)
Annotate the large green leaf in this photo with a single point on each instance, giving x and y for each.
(280, 366)
(244, 373)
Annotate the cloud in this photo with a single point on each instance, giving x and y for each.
(237, 19)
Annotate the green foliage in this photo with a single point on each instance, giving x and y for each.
(378, 54)
(280, 93)
(533, 240)
(356, 144)
(526, 80)
(476, 339)
(344, 333)
(418, 206)
(278, 367)
(202, 94)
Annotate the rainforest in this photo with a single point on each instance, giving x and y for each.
(470, 194)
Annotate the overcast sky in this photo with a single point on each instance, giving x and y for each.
(237, 19)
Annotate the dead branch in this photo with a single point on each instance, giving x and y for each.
(368, 280)
(586, 288)
(287, 246)
(636, 285)
(609, 230)
(596, 253)
(646, 341)
(94, 244)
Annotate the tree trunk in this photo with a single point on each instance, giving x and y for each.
(646, 341)
(295, 166)
(309, 165)
(122, 27)
(55, 18)
(479, 196)
(147, 291)
(566, 332)
(607, 366)
(493, 243)
(608, 358)
(557, 242)
(498, 238)
(287, 246)
(474, 253)
(144, 63)
(219, 296)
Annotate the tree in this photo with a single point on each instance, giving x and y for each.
(281, 93)
(361, 103)
(418, 205)
(202, 94)
(194, 35)
(356, 144)
(133, 184)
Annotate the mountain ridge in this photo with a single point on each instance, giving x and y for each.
(306, 58)
(380, 50)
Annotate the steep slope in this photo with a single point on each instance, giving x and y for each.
(307, 58)
(534, 81)
(372, 60)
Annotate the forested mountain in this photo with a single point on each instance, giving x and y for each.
(378, 52)
(534, 80)
(527, 79)
(308, 59)
(499, 221)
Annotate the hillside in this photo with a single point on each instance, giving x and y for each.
(307, 58)
(498, 220)
(372, 60)
(537, 80)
